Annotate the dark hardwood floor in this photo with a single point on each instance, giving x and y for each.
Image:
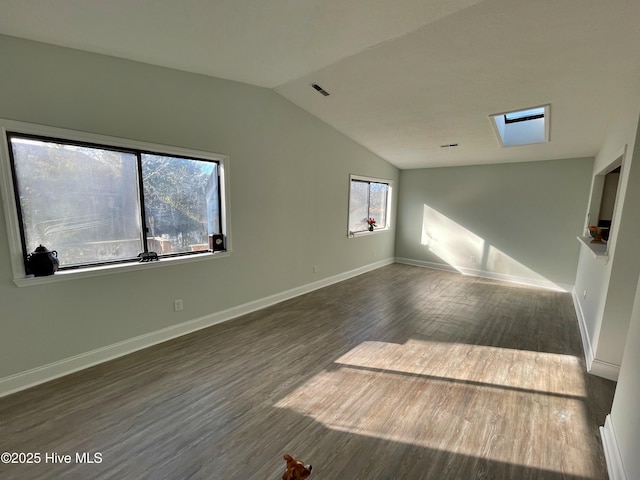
(401, 373)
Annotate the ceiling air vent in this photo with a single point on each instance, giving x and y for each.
(320, 89)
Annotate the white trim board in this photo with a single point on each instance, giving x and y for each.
(594, 366)
(615, 467)
(584, 333)
(548, 284)
(51, 371)
(603, 369)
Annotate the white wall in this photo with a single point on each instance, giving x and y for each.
(519, 221)
(611, 309)
(611, 285)
(625, 414)
(289, 180)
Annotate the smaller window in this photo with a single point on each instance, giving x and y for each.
(369, 202)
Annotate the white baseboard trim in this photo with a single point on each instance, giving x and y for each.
(603, 369)
(532, 282)
(615, 467)
(594, 366)
(421, 263)
(584, 333)
(51, 371)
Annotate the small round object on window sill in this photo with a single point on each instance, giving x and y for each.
(42, 261)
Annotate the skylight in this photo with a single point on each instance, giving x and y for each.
(522, 127)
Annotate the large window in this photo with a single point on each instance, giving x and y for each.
(369, 199)
(97, 204)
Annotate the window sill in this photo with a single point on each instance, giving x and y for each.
(600, 251)
(64, 275)
(364, 234)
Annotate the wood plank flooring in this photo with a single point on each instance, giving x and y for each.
(401, 373)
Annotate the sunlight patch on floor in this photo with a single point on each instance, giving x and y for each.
(447, 396)
(476, 364)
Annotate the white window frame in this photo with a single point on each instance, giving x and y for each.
(11, 210)
(596, 198)
(378, 229)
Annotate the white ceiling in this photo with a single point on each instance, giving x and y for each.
(405, 76)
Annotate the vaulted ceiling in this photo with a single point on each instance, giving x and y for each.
(404, 76)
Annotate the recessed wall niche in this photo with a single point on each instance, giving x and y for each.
(604, 194)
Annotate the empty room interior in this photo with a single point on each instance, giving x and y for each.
(391, 239)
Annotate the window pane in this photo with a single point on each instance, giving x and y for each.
(358, 206)
(78, 200)
(378, 203)
(181, 203)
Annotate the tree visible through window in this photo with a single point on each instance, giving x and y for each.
(368, 198)
(97, 204)
(181, 203)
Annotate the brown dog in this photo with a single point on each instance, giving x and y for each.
(296, 469)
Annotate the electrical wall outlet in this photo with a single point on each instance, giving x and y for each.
(177, 305)
(315, 269)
